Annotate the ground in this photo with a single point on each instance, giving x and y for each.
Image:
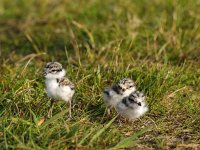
(156, 43)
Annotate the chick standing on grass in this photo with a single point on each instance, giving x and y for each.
(65, 91)
(132, 106)
(113, 95)
(58, 86)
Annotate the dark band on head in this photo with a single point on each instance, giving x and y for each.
(125, 102)
(116, 88)
(53, 65)
(131, 99)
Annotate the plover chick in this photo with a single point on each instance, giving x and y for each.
(132, 106)
(113, 95)
(57, 86)
(65, 91)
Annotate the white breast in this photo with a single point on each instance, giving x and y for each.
(131, 113)
(142, 111)
(51, 86)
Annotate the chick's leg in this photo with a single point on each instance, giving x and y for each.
(49, 113)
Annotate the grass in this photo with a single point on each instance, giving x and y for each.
(156, 43)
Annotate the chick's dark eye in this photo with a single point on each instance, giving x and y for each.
(119, 87)
(130, 86)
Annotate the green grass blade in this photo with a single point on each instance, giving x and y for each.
(73, 130)
(129, 141)
(54, 118)
(5, 139)
(34, 117)
(86, 136)
(17, 120)
(102, 130)
(14, 136)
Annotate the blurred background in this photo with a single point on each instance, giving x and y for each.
(164, 31)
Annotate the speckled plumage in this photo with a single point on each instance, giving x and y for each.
(58, 86)
(113, 95)
(132, 106)
(54, 70)
(65, 90)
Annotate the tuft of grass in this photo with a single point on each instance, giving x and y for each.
(129, 141)
(156, 43)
